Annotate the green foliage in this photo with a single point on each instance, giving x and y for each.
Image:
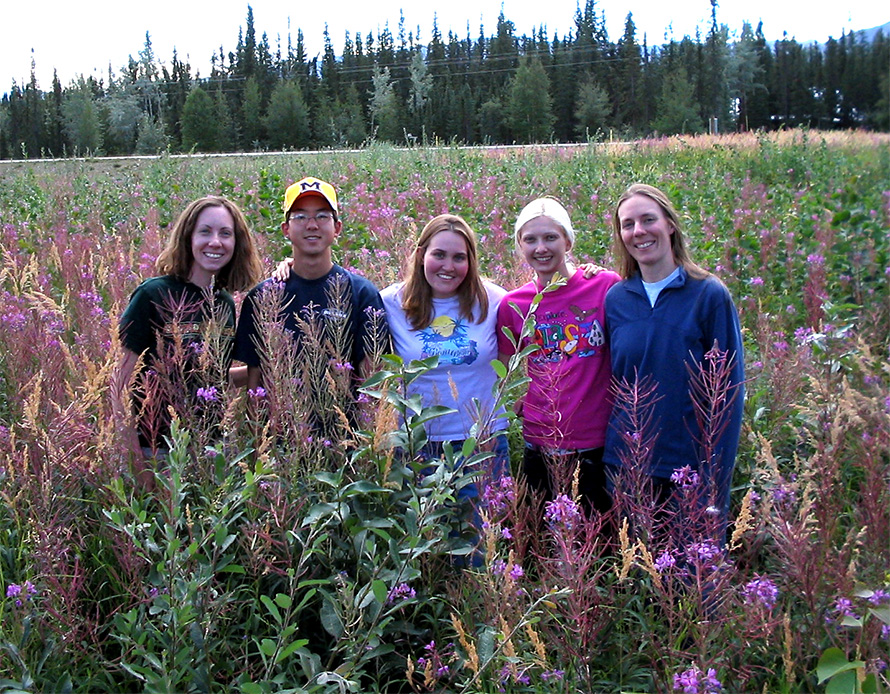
(199, 122)
(677, 111)
(529, 107)
(287, 118)
(265, 563)
(151, 138)
(251, 115)
(81, 121)
(842, 675)
(384, 107)
(592, 110)
(459, 90)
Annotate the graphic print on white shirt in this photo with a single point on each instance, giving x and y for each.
(447, 339)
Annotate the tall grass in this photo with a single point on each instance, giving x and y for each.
(262, 559)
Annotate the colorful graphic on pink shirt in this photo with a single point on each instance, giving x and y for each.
(559, 333)
(567, 404)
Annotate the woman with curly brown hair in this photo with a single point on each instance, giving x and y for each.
(181, 323)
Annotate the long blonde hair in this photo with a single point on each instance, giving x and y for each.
(627, 266)
(417, 295)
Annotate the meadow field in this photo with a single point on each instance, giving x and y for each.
(262, 560)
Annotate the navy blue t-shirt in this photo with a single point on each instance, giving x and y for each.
(317, 298)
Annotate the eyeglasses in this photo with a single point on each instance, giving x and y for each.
(319, 217)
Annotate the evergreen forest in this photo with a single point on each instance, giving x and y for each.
(489, 89)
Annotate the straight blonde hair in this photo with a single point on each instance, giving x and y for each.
(627, 266)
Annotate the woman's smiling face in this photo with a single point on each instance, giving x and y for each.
(646, 234)
(544, 246)
(445, 263)
(213, 243)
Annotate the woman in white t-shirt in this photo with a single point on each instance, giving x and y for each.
(444, 308)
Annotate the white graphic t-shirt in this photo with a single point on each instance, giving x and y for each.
(464, 378)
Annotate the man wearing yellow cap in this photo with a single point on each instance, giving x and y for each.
(312, 224)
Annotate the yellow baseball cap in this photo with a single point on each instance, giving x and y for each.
(310, 186)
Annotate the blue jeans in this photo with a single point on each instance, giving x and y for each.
(494, 469)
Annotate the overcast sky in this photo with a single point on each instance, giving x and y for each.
(86, 37)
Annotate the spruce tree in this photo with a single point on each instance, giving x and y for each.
(81, 120)
(529, 108)
(199, 122)
(287, 118)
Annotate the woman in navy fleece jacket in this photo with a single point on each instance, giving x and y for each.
(662, 320)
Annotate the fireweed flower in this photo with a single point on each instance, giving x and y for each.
(562, 511)
(761, 591)
(20, 593)
(783, 494)
(498, 497)
(14, 590)
(15, 321)
(843, 607)
(756, 281)
(208, 394)
(552, 675)
(704, 553)
(400, 593)
(507, 674)
(694, 681)
(879, 597)
(804, 336)
(434, 661)
(685, 477)
(665, 561)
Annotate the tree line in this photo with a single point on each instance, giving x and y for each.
(501, 88)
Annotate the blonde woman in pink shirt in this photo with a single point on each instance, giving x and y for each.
(566, 410)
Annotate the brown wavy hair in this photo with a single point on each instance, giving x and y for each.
(245, 268)
(417, 295)
(627, 266)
